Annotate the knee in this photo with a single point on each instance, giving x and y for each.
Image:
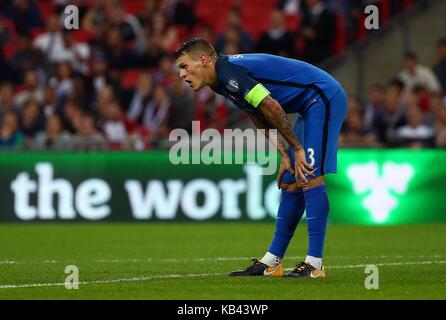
(314, 183)
(296, 186)
(302, 185)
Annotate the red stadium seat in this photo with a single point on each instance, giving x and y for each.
(130, 78)
(341, 36)
(134, 6)
(9, 48)
(83, 35)
(292, 22)
(36, 32)
(256, 15)
(213, 13)
(46, 8)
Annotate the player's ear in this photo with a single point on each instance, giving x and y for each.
(203, 59)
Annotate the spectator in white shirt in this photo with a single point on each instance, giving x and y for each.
(415, 132)
(415, 74)
(59, 45)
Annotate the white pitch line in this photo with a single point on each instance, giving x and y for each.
(170, 276)
(214, 259)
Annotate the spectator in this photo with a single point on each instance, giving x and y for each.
(289, 7)
(87, 138)
(440, 68)
(277, 40)
(375, 107)
(31, 90)
(71, 116)
(440, 130)
(354, 134)
(183, 13)
(94, 18)
(6, 99)
(155, 52)
(118, 54)
(393, 118)
(128, 25)
(116, 126)
(50, 104)
(6, 74)
(100, 77)
(318, 31)
(58, 46)
(415, 74)
(231, 36)
(54, 137)
(10, 135)
(166, 71)
(63, 82)
(234, 33)
(24, 14)
(140, 98)
(32, 120)
(211, 110)
(156, 114)
(24, 58)
(415, 134)
(183, 107)
(7, 30)
(103, 99)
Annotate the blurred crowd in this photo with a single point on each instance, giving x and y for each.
(113, 83)
(408, 111)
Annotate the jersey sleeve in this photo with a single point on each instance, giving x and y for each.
(237, 80)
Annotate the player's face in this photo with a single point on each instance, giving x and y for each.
(193, 71)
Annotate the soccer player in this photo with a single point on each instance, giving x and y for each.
(269, 87)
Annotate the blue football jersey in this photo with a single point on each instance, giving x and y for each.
(246, 79)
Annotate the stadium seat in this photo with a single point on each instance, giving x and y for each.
(9, 48)
(292, 22)
(46, 8)
(130, 78)
(83, 35)
(256, 15)
(213, 13)
(341, 36)
(134, 6)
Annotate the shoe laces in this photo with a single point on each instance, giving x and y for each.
(255, 262)
(301, 267)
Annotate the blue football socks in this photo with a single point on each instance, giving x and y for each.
(291, 209)
(317, 207)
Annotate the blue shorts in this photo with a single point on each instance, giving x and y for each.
(318, 131)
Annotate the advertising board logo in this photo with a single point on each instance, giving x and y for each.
(380, 191)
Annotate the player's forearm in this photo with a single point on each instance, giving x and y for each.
(261, 123)
(277, 119)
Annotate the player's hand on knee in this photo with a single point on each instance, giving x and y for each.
(285, 165)
(301, 167)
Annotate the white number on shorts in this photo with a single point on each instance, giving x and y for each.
(311, 156)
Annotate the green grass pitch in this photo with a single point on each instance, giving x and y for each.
(191, 260)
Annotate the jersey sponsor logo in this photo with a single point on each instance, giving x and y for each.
(236, 56)
(232, 85)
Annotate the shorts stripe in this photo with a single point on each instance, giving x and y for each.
(327, 110)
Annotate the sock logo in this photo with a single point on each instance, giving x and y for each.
(381, 190)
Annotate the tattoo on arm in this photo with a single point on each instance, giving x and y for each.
(260, 122)
(276, 118)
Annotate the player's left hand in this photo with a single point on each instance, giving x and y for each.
(301, 167)
(285, 165)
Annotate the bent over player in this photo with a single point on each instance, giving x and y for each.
(269, 87)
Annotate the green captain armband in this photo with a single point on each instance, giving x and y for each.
(256, 95)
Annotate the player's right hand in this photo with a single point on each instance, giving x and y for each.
(302, 167)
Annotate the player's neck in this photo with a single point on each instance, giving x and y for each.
(213, 81)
